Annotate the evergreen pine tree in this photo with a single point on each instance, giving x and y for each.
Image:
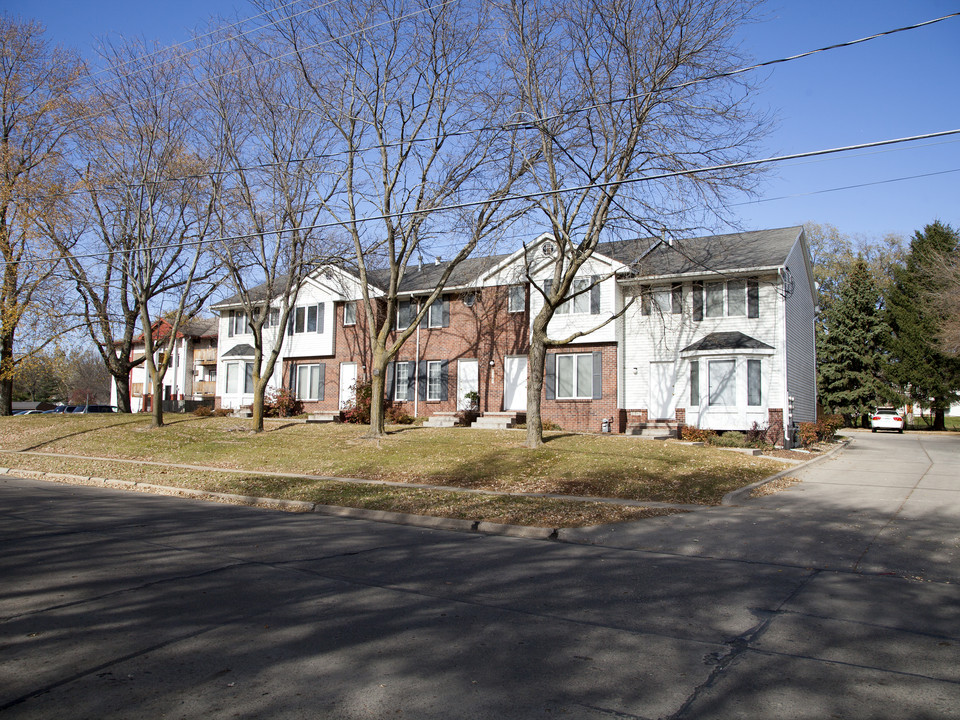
(918, 363)
(851, 347)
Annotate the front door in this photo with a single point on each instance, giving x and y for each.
(662, 380)
(348, 379)
(468, 381)
(515, 383)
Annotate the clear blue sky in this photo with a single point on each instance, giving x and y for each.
(905, 84)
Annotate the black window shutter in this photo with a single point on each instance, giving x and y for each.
(597, 374)
(411, 383)
(753, 298)
(290, 321)
(422, 380)
(550, 376)
(698, 300)
(230, 323)
(425, 320)
(676, 298)
(595, 295)
(322, 379)
(388, 382)
(443, 379)
(645, 299)
(446, 313)
(547, 288)
(320, 318)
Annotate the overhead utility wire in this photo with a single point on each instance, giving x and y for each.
(211, 45)
(205, 35)
(527, 124)
(197, 83)
(846, 187)
(532, 124)
(520, 196)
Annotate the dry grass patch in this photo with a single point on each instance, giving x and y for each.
(535, 512)
(587, 465)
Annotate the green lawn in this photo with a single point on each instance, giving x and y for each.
(588, 465)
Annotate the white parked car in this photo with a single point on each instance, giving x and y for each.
(886, 419)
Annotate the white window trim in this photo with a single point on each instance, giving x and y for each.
(310, 395)
(577, 359)
(569, 307)
(405, 385)
(435, 307)
(353, 304)
(519, 292)
(439, 379)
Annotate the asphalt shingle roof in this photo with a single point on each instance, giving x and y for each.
(733, 340)
(648, 257)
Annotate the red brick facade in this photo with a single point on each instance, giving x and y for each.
(482, 330)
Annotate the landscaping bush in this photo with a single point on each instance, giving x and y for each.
(827, 427)
(807, 433)
(757, 435)
(221, 412)
(695, 434)
(203, 411)
(357, 411)
(731, 438)
(281, 403)
(397, 416)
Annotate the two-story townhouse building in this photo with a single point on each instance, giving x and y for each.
(191, 376)
(714, 331)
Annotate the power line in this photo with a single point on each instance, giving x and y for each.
(531, 124)
(846, 187)
(519, 196)
(201, 37)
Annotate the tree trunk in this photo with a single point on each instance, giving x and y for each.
(6, 375)
(260, 389)
(535, 364)
(6, 396)
(157, 409)
(939, 421)
(377, 400)
(122, 383)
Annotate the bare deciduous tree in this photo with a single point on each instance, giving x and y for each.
(272, 149)
(620, 90)
(414, 105)
(152, 198)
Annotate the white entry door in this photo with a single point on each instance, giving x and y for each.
(348, 378)
(515, 383)
(468, 380)
(662, 380)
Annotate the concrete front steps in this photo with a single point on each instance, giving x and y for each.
(499, 420)
(323, 417)
(442, 420)
(658, 429)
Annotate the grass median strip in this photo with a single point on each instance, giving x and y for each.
(511, 510)
(581, 465)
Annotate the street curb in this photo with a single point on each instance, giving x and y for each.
(735, 497)
(298, 506)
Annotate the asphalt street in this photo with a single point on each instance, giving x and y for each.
(837, 598)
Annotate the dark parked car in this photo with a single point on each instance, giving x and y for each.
(60, 409)
(82, 409)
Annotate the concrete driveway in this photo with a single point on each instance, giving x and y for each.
(804, 605)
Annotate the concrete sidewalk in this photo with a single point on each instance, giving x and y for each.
(887, 504)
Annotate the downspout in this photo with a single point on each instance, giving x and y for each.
(416, 372)
(785, 400)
